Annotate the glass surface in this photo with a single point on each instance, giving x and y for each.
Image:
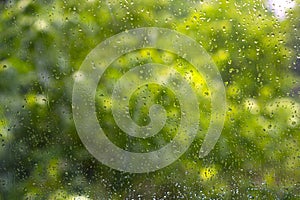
(144, 99)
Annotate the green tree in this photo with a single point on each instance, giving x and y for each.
(42, 45)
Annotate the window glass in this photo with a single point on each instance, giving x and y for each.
(134, 99)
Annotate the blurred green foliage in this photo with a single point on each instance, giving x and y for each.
(42, 44)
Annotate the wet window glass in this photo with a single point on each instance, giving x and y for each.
(130, 99)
